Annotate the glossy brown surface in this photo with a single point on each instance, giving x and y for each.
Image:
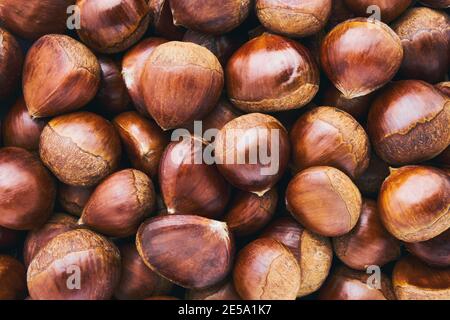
(77, 253)
(112, 26)
(444, 87)
(414, 203)
(339, 13)
(360, 56)
(119, 204)
(12, 278)
(221, 291)
(73, 199)
(331, 137)
(8, 237)
(409, 122)
(222, 113)
(80, 148)
(12, 61)
(22, 176)
(369, 183)
(163, 20)
(324, 200)
(290, 81)
(191, 251)
(60, 75)
(388, 9)
(435, 252)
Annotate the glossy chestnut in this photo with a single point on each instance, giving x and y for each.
(434, 252)
(387, 10)
(221, 291)
(73, 199)
(339, 13)
(12, 62)
(12, 278)
(163, 20)
(369, 183)
(222, 113)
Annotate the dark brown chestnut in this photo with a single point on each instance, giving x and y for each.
(60, 75)
(163, 20)
(221, 291)
(73, 199)
(388, 10)
(12, 62)
(8, 237)
(436, 3)
(27, 190)
(444, 87)
(80, 148)
(369, 183)
(222, 113)
(12, 278)
(339, 14)
(435, 252)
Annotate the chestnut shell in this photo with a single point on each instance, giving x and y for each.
(12, 62)
(12, 278)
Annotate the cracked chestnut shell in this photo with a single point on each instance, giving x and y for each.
(163, 20)
(12, 278)
(60, 75)
(221, 291)
(434, 252)
(12, 62)
(73, 199)
(389, 10)
(80, 148)
(191, 251)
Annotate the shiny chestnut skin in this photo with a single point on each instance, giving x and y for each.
(73, 199)
(80, 148)
(330, 137)
(143, 140)
(314, 253)
(222, 113)
(266, 270)
(294, 18)
(138, 281)
(434, 252)
(191, 251)
(119, 204)
(221, 291)
(60, 75)
(209, 16)
(112, 26)
(81, 253)
(414, 280)
(360, 56)
(181, 82)
(8, 237)
(414, 203)
(22, 176)
(240, 138)
(389, 9)
(425, 35)
(444, 87)
(19, 129)
(409, 122)
(12, 62)
(369, 183)
(290, 81)
(12, 278)
(368, 243)
(189, 187)
(324, 200)
(339, 13)
(163, 20)
(436, 3)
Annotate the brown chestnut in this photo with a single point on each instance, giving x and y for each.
(289, 81)
(60, 75)
(414, 203)
(221, 291)
(444, 87)
(360, 56)
(163, 20)
(222, 113)
(8, 237)
(12, 278)
(339, 14)
(75, 265)
(191, 251)
(73, 199)
(80, 148)
(436, 3)
(409, 122)
(435, 252)
(27, 190)
(388, 10)
(369, 183)
(12, 61)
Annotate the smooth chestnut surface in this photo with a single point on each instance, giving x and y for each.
(435, 252)
(414, 203)
(23, 177)
(360, 56)
(80, 148)
(368, 243)
(238, 140)
(444, 87)
(369, 183)
(330, 137)
(266, 270)
(339, 13)
(409, 122)
(60, 75)
(12, 61)
(289, 81)
(414, 280)
(73, 199)
(191, 251)
(222, 113)
(8, 237)
(12, 278)
(324, 200)
(19, 129)
(143, 140)
(425, 36)
(294, 18)
(314, 253)
(189, 187)
(181, 82)
(82, 253)
(163, 24)
(389, 9)
(221, 291)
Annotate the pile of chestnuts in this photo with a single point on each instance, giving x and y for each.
(232, 149)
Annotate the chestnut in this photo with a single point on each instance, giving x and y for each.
(360, 56)
(330, 137)
(389, 10)
(314, 253)
(294, 18)
(369, 183)
(138, 281)
(425, 36)
(252, 152)
(435, 252)
(181, 82)
(266, 270)
(12, 278)
(339, 13)
(143, 140)
(163, 20)
(324, 200)
(409, 122)
(60, 75)
(112, 26)
(12, 62)
(27, 190)
(436, 3)
(414, 280)
(221, 291)
(191, 251)
(222, 113)
(368, 243)
(414, 202)
(73, 199)
(8, 237)
(119, 204)
(80, 148)
(75, 265)
(289, 81)
(444, 87)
